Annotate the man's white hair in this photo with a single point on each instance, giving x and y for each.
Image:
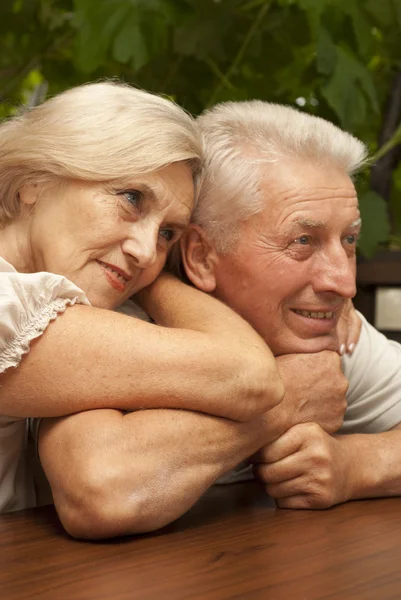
(239, 137)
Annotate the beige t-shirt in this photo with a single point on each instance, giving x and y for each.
(374, 375)
(28, 303)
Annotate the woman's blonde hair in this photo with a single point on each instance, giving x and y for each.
(95, 132)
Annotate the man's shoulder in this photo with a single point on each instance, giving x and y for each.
(372, 345)
(374, 375)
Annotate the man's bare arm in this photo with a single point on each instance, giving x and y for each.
(115, 475)
(307, 468)
(213, 361)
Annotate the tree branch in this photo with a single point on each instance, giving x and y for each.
(389, 154)
(251, 32)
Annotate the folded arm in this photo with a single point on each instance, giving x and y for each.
(307, 468)
(140, 471)
(137, 472)
(210, 360)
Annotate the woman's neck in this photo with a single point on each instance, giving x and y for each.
(15, 245)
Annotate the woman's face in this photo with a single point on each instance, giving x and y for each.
(110, 240)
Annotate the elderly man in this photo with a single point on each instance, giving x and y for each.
(274, 236)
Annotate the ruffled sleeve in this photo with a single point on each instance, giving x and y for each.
(28, 302)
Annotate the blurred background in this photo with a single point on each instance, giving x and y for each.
(339, 59)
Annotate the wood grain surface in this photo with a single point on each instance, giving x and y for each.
(232, 545)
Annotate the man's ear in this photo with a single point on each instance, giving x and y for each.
(29, 194)
(199, 258)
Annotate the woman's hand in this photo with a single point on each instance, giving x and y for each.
(348, 329)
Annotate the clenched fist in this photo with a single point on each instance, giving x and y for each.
(306, 468)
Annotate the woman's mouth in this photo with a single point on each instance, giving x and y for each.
(114, 276)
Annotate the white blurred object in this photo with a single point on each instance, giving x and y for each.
(388, 308)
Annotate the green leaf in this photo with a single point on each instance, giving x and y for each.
(123, 45)
(326, 52)
(361, 26)
(140, 54)
(96, 25)
(397, 11)
(382, 10)
(344, 97)
(347, 89)
(375, 222)
(314, 10)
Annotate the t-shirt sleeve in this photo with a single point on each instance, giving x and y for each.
(374, 375)
(28, 302)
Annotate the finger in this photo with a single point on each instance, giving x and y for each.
(282, 470)
(354, 331)
(342, 336)
(301, 501)
(285, 489)
(289, 443)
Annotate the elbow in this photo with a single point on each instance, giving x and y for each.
(105, 509)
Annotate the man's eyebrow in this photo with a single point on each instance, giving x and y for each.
(356, 223)
(311, 224)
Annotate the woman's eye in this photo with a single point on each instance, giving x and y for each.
(168, 234)
(134, 197)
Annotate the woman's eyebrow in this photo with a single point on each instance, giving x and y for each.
(147, 191)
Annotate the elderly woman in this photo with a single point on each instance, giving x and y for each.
(96, 185)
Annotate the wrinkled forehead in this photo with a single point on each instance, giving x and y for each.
(298, 191)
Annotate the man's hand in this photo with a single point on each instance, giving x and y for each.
(315, 389)
(348, 329)
(306, 468)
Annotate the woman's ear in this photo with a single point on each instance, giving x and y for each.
(198, 258)
(29, 194)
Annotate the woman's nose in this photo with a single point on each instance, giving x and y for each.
(142, 247)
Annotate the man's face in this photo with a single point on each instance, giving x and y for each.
(295, 261)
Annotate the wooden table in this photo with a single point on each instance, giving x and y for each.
(232, 545)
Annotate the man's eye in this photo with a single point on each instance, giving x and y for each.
(168, 234)
(351, 239)
(134, 197)
(303, 240)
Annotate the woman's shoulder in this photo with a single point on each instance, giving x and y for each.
(5, 267)
(28, 303)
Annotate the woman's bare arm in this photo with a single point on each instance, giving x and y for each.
(210, 361)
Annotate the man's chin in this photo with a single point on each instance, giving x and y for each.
(308, 346)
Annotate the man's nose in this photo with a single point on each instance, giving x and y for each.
(336, 273)
(141, 245)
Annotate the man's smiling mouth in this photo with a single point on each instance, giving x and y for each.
(314, 315)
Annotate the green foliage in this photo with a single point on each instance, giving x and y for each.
(375, 222)
(333, 58)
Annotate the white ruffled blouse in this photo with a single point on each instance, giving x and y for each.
(28, 303)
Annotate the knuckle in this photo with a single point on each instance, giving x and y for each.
(325, 480)
(313, 430)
